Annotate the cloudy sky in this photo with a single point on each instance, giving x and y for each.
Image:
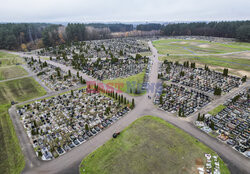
(123, 10)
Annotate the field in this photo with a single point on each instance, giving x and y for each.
(217, 110)
(45, 58)
(149, 145)
(198, 50)
(8, 66)
(7, 59)
(180, 46)
(146, 53)
(10, 72)
(223, 61)
(125, 83)
(11, 157)
(20, 90)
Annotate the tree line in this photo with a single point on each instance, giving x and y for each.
(230, 29)
(28, 36)
(113, 27)
(149, 27)
(13, 36)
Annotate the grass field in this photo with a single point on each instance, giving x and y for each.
(222, 61)
(149, 145)
(45, 58)
(146, 53)
(7, 55)
(20, 90)
(126, 83)
(7, 59)
(180, 46)
(217, 110)
(11, 157)
(11, 72)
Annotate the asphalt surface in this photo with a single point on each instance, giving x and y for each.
(69, 162)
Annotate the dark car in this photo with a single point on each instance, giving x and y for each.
(116, 134)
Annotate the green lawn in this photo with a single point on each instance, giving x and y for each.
(7, 55)
(11, 157)
(20, 90)
(7, 59)
(222, 61)
(181, 46)
(149, 145)
(127, 83)
(45, 58)
(217, 110)
(146, 53)
(11, 72)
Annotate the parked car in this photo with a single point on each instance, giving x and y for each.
(116, 134)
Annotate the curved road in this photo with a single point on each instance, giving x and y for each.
(69, 162)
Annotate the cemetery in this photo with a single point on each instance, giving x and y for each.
(57, 124)
(134, 84)
(178, 99)
(115, 68)
(107, 68)
(107, 48)
(232, 123)
(202, 79)
(52, 76)
(102, 59)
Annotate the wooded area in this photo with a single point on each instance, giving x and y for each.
(113, 27)
(234, 29)
(28, 36)
(148, 27)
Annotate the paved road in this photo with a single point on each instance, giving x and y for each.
(69, 162)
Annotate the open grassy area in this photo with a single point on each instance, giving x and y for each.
(7, 55)
(7, 59)
(149, 53)
(20, 90)
(217, 110)
(11, 72)
(11, 157)
(181, 46)
(45, 58)
(128, 83)
(149, 145)
(222, 61)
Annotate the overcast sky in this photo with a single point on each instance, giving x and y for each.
(123, 10)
